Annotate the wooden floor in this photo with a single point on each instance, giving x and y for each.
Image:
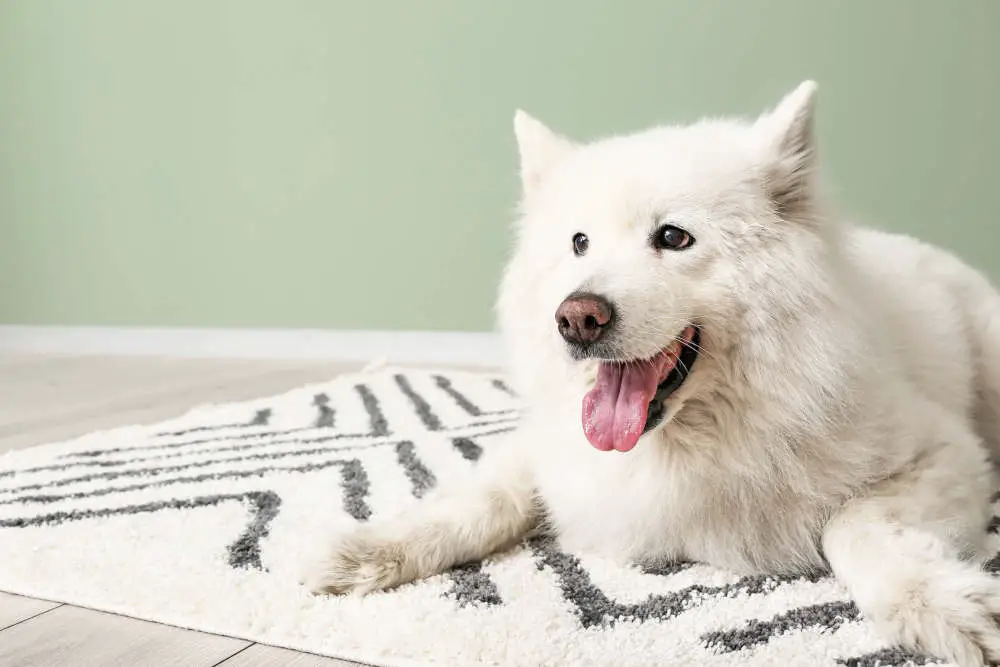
(48, 399)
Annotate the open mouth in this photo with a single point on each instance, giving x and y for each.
(629, 398)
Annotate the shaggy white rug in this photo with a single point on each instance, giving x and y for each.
(206, 522)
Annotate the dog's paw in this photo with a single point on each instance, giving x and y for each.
(359, 564)
(953, 616)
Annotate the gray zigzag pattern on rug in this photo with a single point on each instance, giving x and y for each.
(471, 584)
(595, 609)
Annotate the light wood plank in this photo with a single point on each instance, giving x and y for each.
(85, 638)
(15, 608)
(259, 655)
(68, 385)
(153, 390)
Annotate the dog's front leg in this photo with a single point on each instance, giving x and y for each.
(492, 509)
(905, 552)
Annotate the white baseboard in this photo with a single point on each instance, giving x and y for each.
(404, 347)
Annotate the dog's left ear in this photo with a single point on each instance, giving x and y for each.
(789, 140)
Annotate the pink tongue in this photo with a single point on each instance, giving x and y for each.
(614, 411)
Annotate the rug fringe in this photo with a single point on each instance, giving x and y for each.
(375, 365)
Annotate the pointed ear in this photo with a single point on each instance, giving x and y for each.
(540, 149)
(789, 140)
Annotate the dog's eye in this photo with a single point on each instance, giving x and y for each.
(669, 237)
(580, 244)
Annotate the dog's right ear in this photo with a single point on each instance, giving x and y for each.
(540, 148)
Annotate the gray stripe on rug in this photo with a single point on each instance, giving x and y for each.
(326, 413)
(376, 418)
(420, 476)
(828, 616)
(460, 399)
(472, 586)
(420, 404)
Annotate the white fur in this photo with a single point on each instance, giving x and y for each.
(842, 412)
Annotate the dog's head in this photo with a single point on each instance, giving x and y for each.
(643, 254)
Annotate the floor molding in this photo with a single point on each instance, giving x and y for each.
(407, 347)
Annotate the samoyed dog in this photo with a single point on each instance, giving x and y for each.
(716, 368)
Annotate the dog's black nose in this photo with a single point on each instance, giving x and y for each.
(583, 318)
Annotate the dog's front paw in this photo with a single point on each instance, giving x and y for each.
(953, 616)
(360, 563)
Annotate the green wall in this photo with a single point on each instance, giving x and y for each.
(350, 164)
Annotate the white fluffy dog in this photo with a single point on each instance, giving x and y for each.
(715, 368)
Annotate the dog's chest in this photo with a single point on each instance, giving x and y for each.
(635, 508)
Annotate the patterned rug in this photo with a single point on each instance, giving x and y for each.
(207, 521)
